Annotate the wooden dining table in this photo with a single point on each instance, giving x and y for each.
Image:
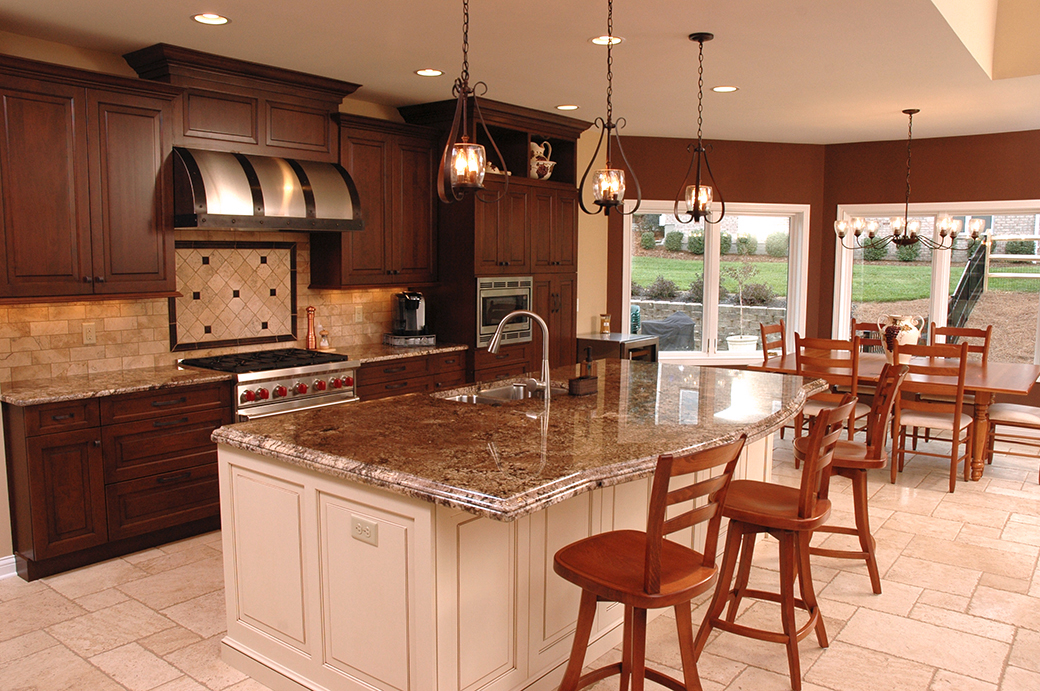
(984, 381)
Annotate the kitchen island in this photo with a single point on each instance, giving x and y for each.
(407, 543)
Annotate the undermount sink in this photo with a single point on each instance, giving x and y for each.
(508, 392)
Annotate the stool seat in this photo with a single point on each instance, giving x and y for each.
(851, 455)
(772, 506)
(1014, 413)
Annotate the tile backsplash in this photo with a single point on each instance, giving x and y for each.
(43, 340)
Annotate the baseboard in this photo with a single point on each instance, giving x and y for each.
(7, 568)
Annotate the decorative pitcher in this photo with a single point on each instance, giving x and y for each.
(895, 328)
(541, 166)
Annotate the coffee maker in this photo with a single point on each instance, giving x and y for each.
(409, 314)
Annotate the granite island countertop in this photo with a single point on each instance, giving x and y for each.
(505, 461)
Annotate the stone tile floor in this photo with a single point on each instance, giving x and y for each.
(960, 609)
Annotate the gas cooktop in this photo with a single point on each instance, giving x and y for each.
(264, 360)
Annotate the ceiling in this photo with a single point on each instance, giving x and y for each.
(809, 71)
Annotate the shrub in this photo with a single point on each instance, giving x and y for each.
(637, 290)
(776, 244)
(725, 243)
(696, 243)
(646, 240)
(696, 291)
(971, 245)
(661, 289)
(673, 241)
(757, 294)
(746, 245)
(908, 253)
(1020, 247)
(874, 251)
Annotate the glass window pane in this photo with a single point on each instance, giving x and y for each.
(753, 278)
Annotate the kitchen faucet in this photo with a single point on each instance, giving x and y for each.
(493, 345)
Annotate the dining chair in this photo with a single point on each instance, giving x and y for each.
(836, 361)
(643, 570)
(852, 459)
(790, 514)
(1020, 417)
(978, 343)
(774, 340)
(933, 397)
(869, 336)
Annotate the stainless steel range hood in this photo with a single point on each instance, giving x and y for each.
(219, 190)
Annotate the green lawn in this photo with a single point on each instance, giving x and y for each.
(646, 269)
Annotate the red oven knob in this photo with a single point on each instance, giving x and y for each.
(248, 396)
(262, 394)
(319, 384)
(336, 383)
(348, 381)
(280, 391)
(299, 388)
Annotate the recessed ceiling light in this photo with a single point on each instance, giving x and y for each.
(210, 18)
(724, 89)
(604, 40)
(429, 72)
(567, 107)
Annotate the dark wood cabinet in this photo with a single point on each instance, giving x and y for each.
(85, 202)
(394, 170)
(554, 231)
(414, 374)
(94, 478)
(509, 361)
(554, 298)
(502, 230)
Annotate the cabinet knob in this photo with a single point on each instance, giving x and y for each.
(99, 279)
(97, 442)
(88, 279)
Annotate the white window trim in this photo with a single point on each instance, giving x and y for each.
(843, 257)
(797, 276)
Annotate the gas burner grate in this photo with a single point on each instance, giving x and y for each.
(264, 360)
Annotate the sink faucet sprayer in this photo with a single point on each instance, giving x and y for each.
(493, 345)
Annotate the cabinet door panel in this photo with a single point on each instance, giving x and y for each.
(366, 253)
(44, 195)
(516, 228)
(542, 213)
(156, 502)
(131, 202)
(565, 231)
(414, 250)
(67, 485)
(565, 322)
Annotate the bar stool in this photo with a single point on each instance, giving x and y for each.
(789, 514)
(852, 459)
(642, 570)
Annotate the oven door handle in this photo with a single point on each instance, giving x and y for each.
(250, 415)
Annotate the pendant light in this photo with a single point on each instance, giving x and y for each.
(699, 197)
(463, 162)
(905, 230)
(608, 184)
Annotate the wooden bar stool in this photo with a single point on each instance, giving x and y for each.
(642, 570)
(852, 459)
(789, 514)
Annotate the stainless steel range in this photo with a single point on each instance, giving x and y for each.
(281, 381)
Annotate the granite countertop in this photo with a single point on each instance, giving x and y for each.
(509, 460)
(376, 353)
(40, 391)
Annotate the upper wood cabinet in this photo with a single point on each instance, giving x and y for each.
(502, 230)
(85, 188)
(393, 168)
(555, 231)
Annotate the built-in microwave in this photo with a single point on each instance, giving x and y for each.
(497, 296)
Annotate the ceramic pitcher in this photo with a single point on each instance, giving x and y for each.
(541, 166)
(902, 329)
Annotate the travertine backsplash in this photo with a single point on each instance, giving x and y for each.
(42, 340)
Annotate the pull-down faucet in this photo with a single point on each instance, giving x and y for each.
(495, 342)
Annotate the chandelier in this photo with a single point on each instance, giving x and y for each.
(905, 230)
(698, 197)
(608, 184)
(463, 162)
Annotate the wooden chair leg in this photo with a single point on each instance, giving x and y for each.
(747, 553)
(638, 649)
(582, 633)
(626, 648)
(866, 540)
(684, 625)
(722, 587)
(808, 589)
(787, 573)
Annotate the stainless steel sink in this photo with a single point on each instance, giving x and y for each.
(502, 394)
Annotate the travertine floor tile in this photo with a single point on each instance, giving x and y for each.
(91, 579)
(35, 611)
(923, 525)
(201, 661)
(168, 640)
(895, 598)
(967, 623)
(1018, 679)
(177, 585)
(24, 645)
(957, 553)
(948, 681)
(955, 580)
(204, 615)
(55, 669)
(109, 628)
(102, 599)
(1000, 605)
(1025, 652)
(135, 668)
(845, 667)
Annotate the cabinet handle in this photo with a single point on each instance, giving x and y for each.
(99, 279)
(170, 423)
(186, 475)
(502, 356)
(450, 361)
(59, 418)
(394, 370)
(175, 401)
(88, 279)
(97, 442)
(396, 385)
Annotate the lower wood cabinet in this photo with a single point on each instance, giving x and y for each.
(555, 301)
(86, 486)
(416, 374)
(509, 361)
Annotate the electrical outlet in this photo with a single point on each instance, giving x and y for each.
(89, 333)
(359, 314)
(364, 530)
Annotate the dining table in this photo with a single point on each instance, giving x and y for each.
(985, 381)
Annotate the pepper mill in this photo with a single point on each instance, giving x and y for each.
(312, 342)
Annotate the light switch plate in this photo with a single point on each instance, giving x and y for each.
(364, 530)
(359, 314)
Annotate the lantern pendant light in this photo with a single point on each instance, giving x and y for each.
(463, 162)
(608, 184)
(698, 197)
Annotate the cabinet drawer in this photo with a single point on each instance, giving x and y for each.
(148, 404)
(61, 417)
(159, 501)
(387, 370)
(506, 372)
(447, 380)
(506, 355)
(147, 447)
(447, 362)
(368, 391)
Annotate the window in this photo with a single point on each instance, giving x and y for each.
(974, 285)
(703, 289)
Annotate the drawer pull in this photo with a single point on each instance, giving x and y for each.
(170, 423)
(502, 356)
(394, 370)
(175, 401)
(396, 385)
(186, 475)
(450, 361)
(59, 418)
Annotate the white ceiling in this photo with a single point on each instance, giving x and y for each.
(810, 71)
